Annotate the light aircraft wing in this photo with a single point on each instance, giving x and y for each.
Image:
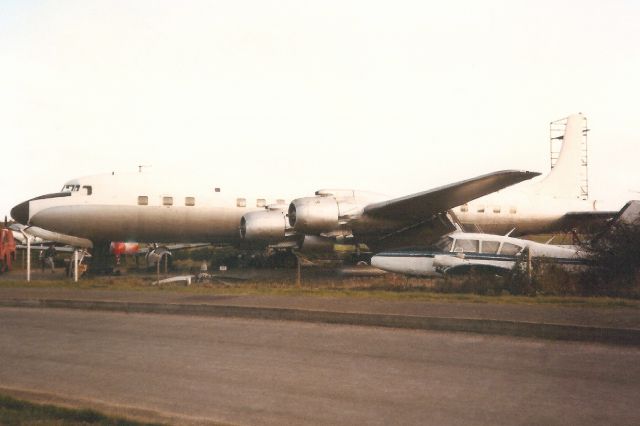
(425, 204)
(57, 237)
(38, 247)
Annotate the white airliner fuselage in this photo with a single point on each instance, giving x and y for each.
(139, 207)
(145, 208)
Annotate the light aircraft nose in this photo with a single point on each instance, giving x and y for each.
(20, 213)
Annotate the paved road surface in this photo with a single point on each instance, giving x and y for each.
(269, 372)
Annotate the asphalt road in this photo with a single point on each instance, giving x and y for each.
(269, 372)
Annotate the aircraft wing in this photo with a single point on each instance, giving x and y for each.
(428, 203)
(38, 247)
(57, 237)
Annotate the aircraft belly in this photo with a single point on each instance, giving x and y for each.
(141, 223)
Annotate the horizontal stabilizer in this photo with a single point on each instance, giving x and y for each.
(586, 220)
(629, 214)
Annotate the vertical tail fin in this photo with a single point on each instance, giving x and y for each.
(564, 180)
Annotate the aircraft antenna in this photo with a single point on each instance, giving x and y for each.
(140, 166)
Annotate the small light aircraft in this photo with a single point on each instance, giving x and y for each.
(460, 252)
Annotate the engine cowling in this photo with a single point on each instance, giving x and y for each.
(314, 215)
(265, 226)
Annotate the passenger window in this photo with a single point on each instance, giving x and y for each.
(496, 209)
(467, 246)
(189, 201)
(216, 189)
(513, 210)
(490, 247)
(510, 249)
(167, 201)
(241, 202)
(143, 200)
(480, 209)
(261, 202)
(89, 189)
(464, 208)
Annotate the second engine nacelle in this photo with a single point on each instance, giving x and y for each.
(264, 226)
(314, 215)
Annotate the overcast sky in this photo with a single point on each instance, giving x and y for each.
(395, 96)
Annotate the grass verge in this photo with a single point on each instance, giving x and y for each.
(383, 288)
(17, 412)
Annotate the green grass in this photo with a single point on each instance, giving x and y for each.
(17, 412)
(384, 288)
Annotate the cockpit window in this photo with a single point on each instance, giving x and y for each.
(88, 188)
(508, 248)
(466, 246)
(444, 244)
(70, 188)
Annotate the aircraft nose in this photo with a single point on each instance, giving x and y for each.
(20, 213)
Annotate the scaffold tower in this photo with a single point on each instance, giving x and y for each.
(556, 137)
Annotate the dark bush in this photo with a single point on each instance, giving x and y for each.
(614, 263)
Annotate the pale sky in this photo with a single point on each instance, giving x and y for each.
(292, 96)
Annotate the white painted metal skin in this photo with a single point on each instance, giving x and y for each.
(499, 252)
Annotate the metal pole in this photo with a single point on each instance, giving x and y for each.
(166, 265)
(28, 259)
(75, 266)
(529, 266)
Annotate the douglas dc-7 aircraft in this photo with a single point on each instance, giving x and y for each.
(138, 207)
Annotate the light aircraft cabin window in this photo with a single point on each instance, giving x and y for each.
(490, 247)
(189, 201)
(496, 209)
(513, 210)
(167, 201)
(88, 188)
(480, 209)
(143, 200)
(464, 208)
(466, 246)
(241, 202)
(510, 249)
(261, 202)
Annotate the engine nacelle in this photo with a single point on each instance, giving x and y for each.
(314, 215)
(265, 226)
